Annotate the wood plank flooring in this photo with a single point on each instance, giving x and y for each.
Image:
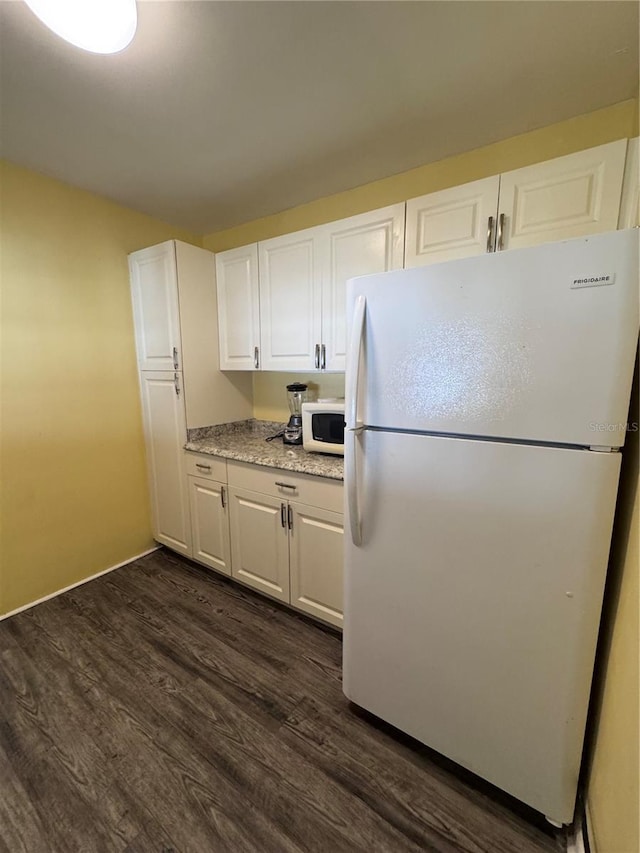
(162, 708)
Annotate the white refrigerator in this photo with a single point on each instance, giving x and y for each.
(487, 401)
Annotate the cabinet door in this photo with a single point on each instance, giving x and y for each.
(165, 436)
(567, 197)
(452, 223)
(316, 547)
(154, 293)
(238, 308)
(360, 245)
(630, 203)
(210, 524)
(259, 542)
(290, 301)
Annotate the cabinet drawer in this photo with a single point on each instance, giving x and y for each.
(203, 465)
(307, 489)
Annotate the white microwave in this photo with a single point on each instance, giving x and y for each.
(323, 426)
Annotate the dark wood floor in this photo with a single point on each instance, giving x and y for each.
(162, 708)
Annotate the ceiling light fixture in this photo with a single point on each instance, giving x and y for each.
(99, 26)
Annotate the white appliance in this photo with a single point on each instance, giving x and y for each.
(486, 404)
(323, 426)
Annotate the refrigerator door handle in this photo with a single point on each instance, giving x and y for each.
(352, 490)
(353, 361)
(354, 424)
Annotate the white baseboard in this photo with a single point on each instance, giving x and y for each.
(578, 840)
(74, 585)
(575, 841)
(591, 842)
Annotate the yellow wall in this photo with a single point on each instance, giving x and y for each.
(616, 122)
(613, 796)
(606, 125)
(270, 391)
(73, 482)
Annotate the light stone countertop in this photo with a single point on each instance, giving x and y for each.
(245, 441)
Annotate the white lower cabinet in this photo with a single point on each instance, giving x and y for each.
(259, 542)
(315, 561)
(210, 524)
(288, 549)
(209, 505)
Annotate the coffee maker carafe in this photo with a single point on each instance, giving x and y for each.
(296, 396)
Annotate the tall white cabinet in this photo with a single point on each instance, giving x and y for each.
(176, 330)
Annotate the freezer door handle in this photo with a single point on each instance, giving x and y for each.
(353, 362)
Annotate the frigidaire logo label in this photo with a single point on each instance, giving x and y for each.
(594, 280)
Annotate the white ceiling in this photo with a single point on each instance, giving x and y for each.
(221, 112)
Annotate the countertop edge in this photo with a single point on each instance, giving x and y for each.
(244, 441)
(281, 464)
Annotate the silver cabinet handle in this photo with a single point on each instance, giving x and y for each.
(176, 383)
(202, 466)
(317, 358)
(323, 361)
(283, 515)
(490, 224)
(290, 517)
(256, 358)
(501, 221)
(175, 358)
(223, 497)
(286, 486)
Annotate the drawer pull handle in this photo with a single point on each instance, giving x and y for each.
(286, 486)
(203, 467)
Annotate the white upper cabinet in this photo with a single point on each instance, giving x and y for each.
(453, 223)
(282, 301)
(372, 242)
(559, 199)
(302, 287)
(555, 200)
(173, 290)
(630, 204)
(291, 301)
(239, 308)
(154, 292)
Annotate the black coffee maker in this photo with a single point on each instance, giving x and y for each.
(296, 396)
